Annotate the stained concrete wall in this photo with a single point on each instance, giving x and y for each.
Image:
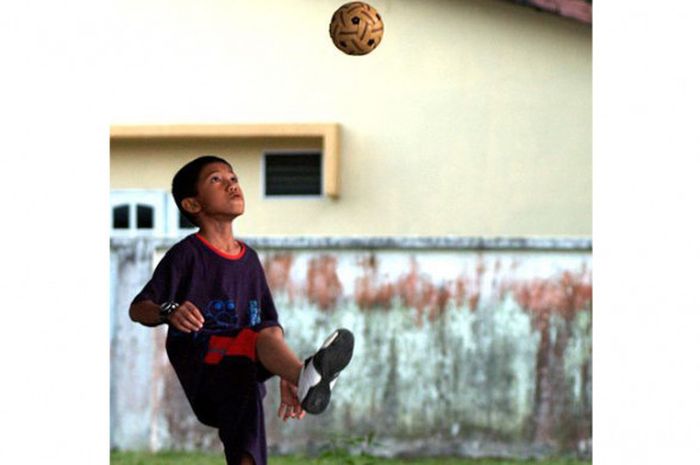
(458, 350)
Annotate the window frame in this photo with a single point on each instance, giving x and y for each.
(152, 198)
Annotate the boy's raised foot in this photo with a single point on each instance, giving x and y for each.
(321, 370)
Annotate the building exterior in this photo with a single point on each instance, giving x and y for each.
(472, 118)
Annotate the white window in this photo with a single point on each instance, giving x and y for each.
(137, 212)
(147, 212)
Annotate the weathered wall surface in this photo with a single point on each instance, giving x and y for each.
(460, 351)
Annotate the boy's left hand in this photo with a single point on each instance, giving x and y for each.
(289, 403)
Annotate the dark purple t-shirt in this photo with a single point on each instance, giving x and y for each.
(232, 294)
(230, 291)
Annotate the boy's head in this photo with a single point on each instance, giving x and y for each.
(189, 182)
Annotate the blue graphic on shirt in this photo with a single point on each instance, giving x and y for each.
(220, 315)
(253, 313)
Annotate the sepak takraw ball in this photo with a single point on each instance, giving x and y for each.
(356, 28)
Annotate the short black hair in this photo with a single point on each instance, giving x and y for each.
(185, 181)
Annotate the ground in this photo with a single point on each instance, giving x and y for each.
(189, 458)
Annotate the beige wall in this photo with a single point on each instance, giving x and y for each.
(471, 117)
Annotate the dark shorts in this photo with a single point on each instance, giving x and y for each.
(223, 381)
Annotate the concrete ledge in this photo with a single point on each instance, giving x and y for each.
(396, 243)
(329, 133)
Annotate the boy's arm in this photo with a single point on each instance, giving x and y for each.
(162, 287)
(145, 312)
(186, 316)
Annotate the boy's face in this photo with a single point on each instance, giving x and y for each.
(218, 193)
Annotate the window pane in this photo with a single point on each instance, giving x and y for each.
(184, 222)
(120, 217)
(144, 217)
(293, 174)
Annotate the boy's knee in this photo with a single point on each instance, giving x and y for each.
(271, 331)
(247, 460)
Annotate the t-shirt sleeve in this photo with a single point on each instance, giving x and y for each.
(165, 282)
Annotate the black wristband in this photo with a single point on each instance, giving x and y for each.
(167, 309)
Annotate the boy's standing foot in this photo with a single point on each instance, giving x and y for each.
(321, 370)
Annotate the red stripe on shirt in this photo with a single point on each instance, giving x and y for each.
(242, 345)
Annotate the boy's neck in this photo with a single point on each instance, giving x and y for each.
(220, 235)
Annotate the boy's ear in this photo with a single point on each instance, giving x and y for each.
(191, 205)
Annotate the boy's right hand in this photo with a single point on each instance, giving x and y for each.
(187, 318)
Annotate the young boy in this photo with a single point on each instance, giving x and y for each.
(224, 340)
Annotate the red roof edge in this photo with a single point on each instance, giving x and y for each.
(579, 10)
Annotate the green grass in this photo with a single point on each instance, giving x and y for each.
(194, 458)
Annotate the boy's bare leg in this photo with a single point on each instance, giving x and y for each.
(276, 356)
(247, 460)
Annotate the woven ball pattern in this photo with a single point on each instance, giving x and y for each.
(356, 28)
